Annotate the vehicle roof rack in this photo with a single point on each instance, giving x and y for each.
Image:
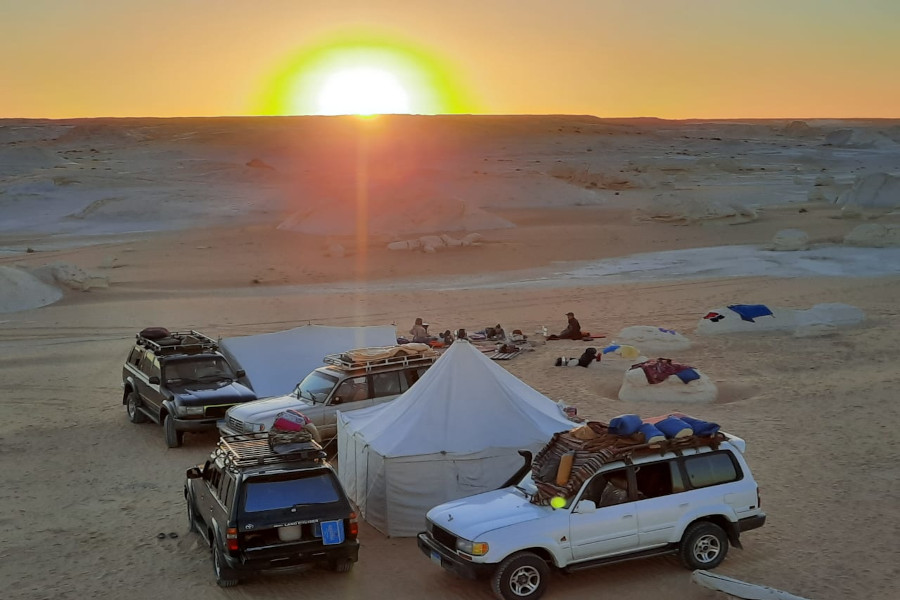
(371, 359)
(253, 449)
(179, 342)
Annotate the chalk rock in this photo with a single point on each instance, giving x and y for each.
(431, 241)
(790, 240)
(875, 190)
(470, 239)
(636, 388)
(653, 339)
(450, 241)
(874, 235)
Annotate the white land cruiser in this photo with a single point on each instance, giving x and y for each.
(689, 497)
(349, 381)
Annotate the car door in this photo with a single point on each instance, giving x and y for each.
(151, 393)
(609, 530)
(203, 495)
(387, 386)
(351, 394)
(662, 501)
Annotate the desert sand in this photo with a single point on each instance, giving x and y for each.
(243, 226)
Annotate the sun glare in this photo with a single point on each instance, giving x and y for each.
(363, 74)
(362, 91)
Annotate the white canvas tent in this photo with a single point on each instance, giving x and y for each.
(455, 433)
(276, 362)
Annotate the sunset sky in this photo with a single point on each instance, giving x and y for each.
(610, 58)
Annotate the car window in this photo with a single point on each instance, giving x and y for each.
(204, 369)
(386, 384)
(275, 493)
(658, 479)
(154, 367)
(135, 356)
(315, 387)
(712, 468)
(352, 389)
(410, 376)
(615, 490)
(146, 362)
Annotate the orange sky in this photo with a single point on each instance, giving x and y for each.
(610, 58)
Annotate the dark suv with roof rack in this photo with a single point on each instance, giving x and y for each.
(261, 509)
(181, 381)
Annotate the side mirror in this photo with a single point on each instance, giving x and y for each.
(586, 507)
(336, 400)
(240, 373)
(154, 380)
(194, 473)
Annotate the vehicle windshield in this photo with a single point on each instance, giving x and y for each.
(315, 387)
(200, 369)
(280, 492)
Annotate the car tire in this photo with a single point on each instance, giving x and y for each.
(132, 407)
(174, 438)
(192, 524)
(341, 565)
(225, 577)
(521, 576)
(703, 546)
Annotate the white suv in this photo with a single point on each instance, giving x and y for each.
(346, 383)
(689, 497)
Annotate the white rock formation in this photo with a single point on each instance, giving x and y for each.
(875, 190)
(874, 235)
(20, 290)
(653, 339)
(636, 388)
(782, 319)
(790, 240)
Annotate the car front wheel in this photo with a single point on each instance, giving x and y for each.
(521, 576)
(174, 438)
(132, 407)
(703, 546)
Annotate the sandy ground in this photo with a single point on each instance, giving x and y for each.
(86, 492)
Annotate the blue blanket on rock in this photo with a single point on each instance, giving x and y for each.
(748, 312)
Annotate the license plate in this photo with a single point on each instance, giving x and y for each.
(436, 558)
(332, 532)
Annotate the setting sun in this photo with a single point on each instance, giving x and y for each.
(362, 91)
(363, 74)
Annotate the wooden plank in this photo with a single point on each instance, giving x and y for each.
(738, 588)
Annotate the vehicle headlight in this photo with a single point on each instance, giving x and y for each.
(187, 411)
(473, 548)
(253, 427)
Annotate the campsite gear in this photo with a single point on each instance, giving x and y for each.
(714, 317)
(401, 458)
(687, 375)
(699, 426)
(291, 429)
(625, 424)
(659, 369)
(748, 312)
(674, 428)
(652, 435)
(565, 468)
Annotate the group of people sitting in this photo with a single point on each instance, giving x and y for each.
(419, 333)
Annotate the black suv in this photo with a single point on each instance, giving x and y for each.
(263, 510)
(180, 381)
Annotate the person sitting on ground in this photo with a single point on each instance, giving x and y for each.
(572, 330)
(419, 332)
(447, 337)
(495, 333)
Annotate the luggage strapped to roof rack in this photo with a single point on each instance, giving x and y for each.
(180, 342)
(346, 362)
(252, 450)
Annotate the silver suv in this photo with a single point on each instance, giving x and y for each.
(346, 383)
(691, 497)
